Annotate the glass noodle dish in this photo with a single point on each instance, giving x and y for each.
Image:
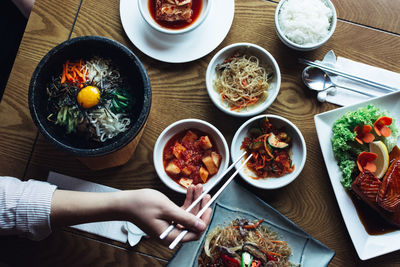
(90, 99)
(270, 148)
(244, 243)
(241, 81)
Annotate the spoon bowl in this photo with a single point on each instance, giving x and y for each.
(316, 79)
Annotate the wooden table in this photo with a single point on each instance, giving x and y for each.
(367, 31)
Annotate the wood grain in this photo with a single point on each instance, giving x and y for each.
(179, 92)
(379, 14)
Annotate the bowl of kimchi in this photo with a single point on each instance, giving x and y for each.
(174, 16)
(277, 149)
(190, 151)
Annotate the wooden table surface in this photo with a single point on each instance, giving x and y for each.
(367, 31)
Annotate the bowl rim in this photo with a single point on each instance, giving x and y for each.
(128, 136)
(260, 107)
(153, 24)
(292, 176)
(308, 47)
(161, 142)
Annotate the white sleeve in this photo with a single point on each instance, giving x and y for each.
(25, 208)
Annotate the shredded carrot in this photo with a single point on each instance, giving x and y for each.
(74, 72)
(271, 253)
(222, 97)
(266, 146)
(255, 178)
(260, 239)
(252, 226)
(63, 78)
(279, 241)
(249, 226)
(247, 102)
(263, 163)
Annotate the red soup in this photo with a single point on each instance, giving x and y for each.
(191, 157)
(173, 16)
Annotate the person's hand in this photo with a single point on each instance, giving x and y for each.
(153, 212)
(149, 209)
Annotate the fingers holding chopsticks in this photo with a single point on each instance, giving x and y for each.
(189, 221)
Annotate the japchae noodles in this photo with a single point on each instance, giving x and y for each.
(244, 243)
(241, 81)
(90, 98)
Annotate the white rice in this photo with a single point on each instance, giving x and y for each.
(305, 22)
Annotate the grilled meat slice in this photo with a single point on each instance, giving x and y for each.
(366, 186)
(174, 10)
(389, 192)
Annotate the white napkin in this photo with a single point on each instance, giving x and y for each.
(116, 230)
(342, 97)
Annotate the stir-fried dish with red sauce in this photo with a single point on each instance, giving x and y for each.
(175, 14)
(191, 157)
(270, 148)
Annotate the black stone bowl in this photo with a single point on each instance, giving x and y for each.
(86, 47)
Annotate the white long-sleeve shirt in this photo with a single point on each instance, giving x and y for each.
(25, 208)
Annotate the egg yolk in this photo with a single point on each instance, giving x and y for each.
(88, 97)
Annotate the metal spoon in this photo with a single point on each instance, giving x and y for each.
(318, 80)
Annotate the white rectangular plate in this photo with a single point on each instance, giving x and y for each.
(367, 246)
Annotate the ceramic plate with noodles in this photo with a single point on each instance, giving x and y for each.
(90, 99)
(244, 243)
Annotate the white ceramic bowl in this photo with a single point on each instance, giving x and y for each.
(266, 59)
(145, 12)
(298, 152)
(178, 127)
(307, 47)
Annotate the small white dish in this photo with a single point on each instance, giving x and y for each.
(178, 127)
(143, 6)
(266, 59)
(306, 47)
(298, 152)
(367, 246)
(178, 48)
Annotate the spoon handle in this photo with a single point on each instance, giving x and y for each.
(348, 76)
(355, 90)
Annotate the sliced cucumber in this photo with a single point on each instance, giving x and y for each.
(274, 141)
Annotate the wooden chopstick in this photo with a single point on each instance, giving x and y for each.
(188, 209)
(184, 232)
(348, 76)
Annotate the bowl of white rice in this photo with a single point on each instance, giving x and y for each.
(305, 25)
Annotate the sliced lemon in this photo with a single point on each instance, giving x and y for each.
(382, 161)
